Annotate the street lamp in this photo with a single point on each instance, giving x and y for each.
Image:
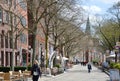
(41, 57)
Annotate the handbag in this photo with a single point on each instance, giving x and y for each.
(35, 72)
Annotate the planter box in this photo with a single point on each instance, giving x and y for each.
(54, 70)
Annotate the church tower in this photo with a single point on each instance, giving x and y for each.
(88, 34)
(88, 30)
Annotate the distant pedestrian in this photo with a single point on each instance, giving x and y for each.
(35, 71)
(89, 67)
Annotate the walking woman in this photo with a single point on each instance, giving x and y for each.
(35, 71)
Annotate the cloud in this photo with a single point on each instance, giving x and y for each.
(109, 1)
(92, 9)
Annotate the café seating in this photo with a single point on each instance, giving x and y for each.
(1, 76)
(7, 77)
(16, 75)
(26, 75)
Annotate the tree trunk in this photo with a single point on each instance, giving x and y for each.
(34, 47)
(46, 48)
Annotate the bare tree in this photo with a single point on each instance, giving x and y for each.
(115, 12)
(14, 19)
(37, 12)
(52, 25)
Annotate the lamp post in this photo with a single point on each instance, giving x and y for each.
(41, 57)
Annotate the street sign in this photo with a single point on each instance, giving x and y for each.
(117, 43)
(114, 75)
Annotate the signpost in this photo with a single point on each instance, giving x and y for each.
(117, 47)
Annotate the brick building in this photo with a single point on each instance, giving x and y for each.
(13, 31)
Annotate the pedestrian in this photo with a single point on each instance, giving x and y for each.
(35, 71)
(89, 67)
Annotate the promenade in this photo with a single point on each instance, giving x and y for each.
(78, 73)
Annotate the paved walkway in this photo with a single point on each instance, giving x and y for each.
(78, 73)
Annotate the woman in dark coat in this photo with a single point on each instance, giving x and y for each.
(35, 71)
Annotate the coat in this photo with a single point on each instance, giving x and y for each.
(89, 66)
(35, 68)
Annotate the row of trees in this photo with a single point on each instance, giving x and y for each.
(52, 17)
(108, 28)
(55, 22)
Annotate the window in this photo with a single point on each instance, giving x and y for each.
(2, 58)
(22, 4)
(15, 4)
(9, 2)
(6, 41)
(10, 39)
(15, 43)
(2, 39)
(23, 38)
(6, 60)
(23, 21)
(0, 15)
(7, 17)
(15, 20)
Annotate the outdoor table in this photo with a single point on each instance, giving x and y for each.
(1, 79)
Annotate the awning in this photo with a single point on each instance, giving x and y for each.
(111, 56)
(65, 58)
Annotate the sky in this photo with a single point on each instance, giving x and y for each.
(97, 6)
(93, 7)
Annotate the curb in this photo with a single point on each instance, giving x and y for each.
(105, 71)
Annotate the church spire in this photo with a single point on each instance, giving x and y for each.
(88, 31)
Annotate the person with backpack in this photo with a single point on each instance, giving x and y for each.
(89, 67)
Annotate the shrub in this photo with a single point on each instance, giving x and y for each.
(117, 66)
(57, 65)
(95, 61)
(4, 69)
(112, 65)
(19, 68)
(29, 68)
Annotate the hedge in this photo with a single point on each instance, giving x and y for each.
(7, 69)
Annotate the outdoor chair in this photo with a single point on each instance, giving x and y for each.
(7, 77)
(26, 75)
(1, 76)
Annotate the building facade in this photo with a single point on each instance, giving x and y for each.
(13, 34)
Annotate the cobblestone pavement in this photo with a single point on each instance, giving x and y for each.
(78, 73)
